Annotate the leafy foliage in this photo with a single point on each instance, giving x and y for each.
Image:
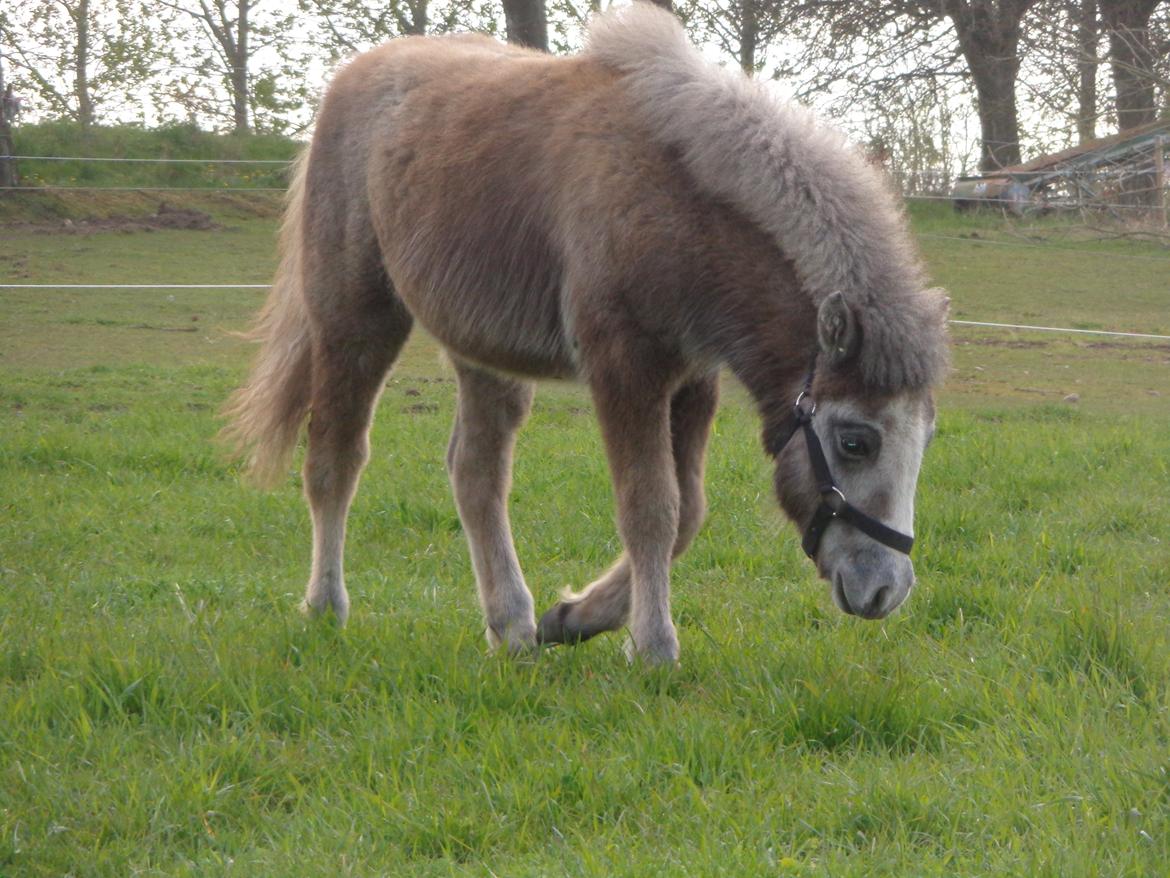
(80, 59)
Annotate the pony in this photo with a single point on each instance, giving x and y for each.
(633, 218)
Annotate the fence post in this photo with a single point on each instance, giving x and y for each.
(7, 163)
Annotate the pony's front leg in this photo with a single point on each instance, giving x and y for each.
(479, 463)
(604, 605)
(635, 424)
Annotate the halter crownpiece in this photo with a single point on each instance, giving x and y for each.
(833, 504)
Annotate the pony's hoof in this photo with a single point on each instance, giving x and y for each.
(514, 643)
(568, 622)
(313, 611)
(654, 654)
(551, 628)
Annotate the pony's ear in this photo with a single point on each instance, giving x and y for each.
(837, 330)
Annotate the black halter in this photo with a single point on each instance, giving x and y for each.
(833, 503)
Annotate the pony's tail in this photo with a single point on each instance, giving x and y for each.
(265, 415)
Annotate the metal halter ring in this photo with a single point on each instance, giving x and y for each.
(801, 397)
(838, 504)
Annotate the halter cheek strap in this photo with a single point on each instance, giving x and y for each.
(833, 504)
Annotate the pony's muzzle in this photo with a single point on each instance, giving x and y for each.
(872, 583)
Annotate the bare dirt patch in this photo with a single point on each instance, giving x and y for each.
(1126, 346)
(166, 217)
(1004, 343)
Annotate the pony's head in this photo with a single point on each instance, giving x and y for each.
(847, 463)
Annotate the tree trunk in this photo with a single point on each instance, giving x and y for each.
(81, 60)
(419, 19)
(995, 87)
(1131, 58)
(1088, 36)
(239, 74)
(989, 38)
(749, 36)
(527, 23)
(7, 165)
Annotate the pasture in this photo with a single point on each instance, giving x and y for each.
(165, 711)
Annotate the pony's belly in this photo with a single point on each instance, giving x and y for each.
(520, 338)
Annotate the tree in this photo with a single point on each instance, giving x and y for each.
(351, 26)
(1088, 36)
(354, 25)
(7, 110)
(78, 57)
(236, 35)
(229, 28)
(1131, 58)
(1060, 70)
(910, 132)
(1064, 40)
(987, 33)
(743, 28)
(527, 23)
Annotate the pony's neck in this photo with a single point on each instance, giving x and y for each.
(774, 384)
(752, 314)
(767, 337)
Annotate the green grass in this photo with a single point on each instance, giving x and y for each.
(164, 711)
(66, 139)
(213, 188)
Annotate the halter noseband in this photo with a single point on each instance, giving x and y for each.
(833, 503)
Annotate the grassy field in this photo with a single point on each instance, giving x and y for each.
(164, 711)
(253, 161)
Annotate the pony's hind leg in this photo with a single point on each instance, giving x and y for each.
(604, 605)
(349, 367)
(479, 462)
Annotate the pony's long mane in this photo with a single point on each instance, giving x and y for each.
(829, 211)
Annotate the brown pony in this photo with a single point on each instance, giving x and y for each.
(633, 218)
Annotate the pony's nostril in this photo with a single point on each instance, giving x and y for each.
(840, 596)
(878, 601)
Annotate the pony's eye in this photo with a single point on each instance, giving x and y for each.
(854, 445)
